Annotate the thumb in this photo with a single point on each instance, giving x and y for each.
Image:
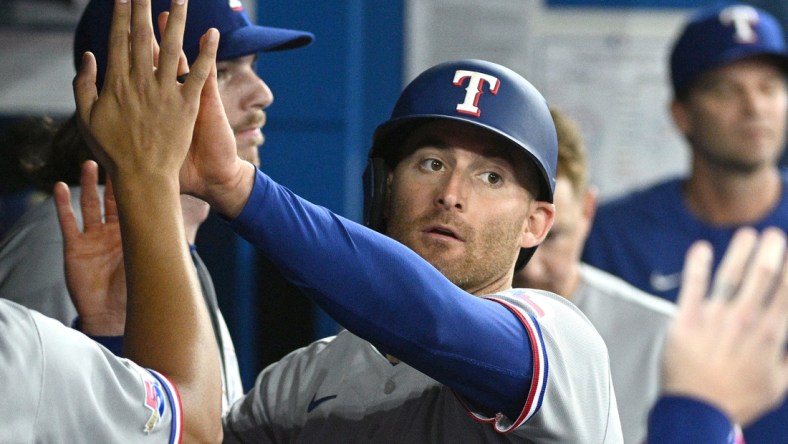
(84, 85)
(210, 92)
(205, 65)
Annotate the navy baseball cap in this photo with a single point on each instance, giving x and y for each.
(239, 36)
(724, 33)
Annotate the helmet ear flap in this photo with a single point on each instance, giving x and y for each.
(375, 187)
(523, 258)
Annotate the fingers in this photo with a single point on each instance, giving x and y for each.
(89, 199)
(172, 41)
(141, 37)
(729, 275)
(161, 22)
(118, 54)
(204, 65)
(65, 214)
(754, 307)
(775, 316)
(695, 280)
(765, 267)
(110, 206)
(84, 85)
(183, 63)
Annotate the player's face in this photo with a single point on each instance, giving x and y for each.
(457, 200)
(244, 96)
(554, 265)
(735, 118)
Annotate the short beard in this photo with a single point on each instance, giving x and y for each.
(490, 253)
(730, 164)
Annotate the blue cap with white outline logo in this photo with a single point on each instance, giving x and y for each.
(239, 36)
(724, 33)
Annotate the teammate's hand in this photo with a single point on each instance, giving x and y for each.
(729, 349)
(212, 164)
(142, 122)
(212, 170)
(93, 259)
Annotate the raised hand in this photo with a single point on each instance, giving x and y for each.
(212, 170)
(212, 162)
(142, 107)
(93, 258)
(140, 128)
(730, 349)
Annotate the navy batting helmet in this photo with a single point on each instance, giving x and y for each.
(483, 94)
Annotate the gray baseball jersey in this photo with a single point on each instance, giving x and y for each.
(343, 390)
(32, 274)
(60, 386)
(633, 324)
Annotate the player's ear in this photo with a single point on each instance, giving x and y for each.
(387, 196)
(537, 224)
(678, 110)
(589, 203)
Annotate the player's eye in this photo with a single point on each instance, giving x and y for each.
(431, 164)
(492, 178)
(721, 90)
(773, 86)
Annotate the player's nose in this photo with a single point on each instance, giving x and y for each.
(452, 192)
(257, 94)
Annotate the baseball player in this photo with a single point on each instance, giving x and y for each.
(439, 364)
(30, 256)
(632, 323)
(463, 175)
(728, 71)
(56, 384)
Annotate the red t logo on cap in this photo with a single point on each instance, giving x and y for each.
(743, 19)
(474, 89)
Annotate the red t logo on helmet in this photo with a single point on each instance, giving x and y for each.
(474, 89)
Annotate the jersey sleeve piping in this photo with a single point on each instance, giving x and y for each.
(176, 430)
(538, 383)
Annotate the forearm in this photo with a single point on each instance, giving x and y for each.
(385, 293)
(163, 293)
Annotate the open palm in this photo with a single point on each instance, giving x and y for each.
(93, 258)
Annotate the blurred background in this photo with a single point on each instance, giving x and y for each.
(603, 62)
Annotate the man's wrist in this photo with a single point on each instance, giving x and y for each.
(230, 199)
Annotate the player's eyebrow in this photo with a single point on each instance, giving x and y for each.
(503, 151)
(429, 140)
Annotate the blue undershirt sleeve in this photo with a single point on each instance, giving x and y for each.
(112, 343)
(683, 420)
(385, 293)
